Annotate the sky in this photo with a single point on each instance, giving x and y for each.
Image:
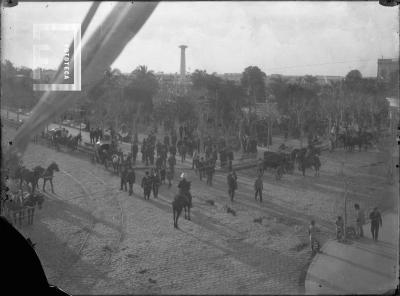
(289, 38)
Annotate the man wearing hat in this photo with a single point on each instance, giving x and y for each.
(124, 180)
(155, 182)
(146, 185)
(376, 221)
(131, 179)
(232, 184)
(184, 185)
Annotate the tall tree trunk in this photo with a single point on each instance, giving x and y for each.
(300, 125)
(329, 124)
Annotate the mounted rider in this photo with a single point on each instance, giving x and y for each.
(184, 187)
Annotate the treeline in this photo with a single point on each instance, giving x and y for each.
(211, 103)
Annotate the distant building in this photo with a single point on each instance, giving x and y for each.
(386, 67)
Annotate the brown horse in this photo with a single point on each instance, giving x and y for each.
(30, 177)
(48, 175)
(181, 201)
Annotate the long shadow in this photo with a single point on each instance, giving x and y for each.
(246, 253)
(285, 269)
(376, 253)
(48, 247)
(283, 213)
(63, 210)
(383, 274)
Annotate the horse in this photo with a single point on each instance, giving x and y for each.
(280, 162)
(308, 161)
(40, 171)
(181, 201)
(49, 174)
(30, 177)
(297, 154)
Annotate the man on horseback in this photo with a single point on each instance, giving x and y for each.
(184, 187)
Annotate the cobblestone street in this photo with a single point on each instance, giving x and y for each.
(93, 238)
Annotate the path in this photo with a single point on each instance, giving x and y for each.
(362, 267)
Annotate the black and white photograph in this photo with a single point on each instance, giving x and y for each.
(199, 147)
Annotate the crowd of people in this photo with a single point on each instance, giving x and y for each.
(375, 220)
(95, 135)
(161, 156)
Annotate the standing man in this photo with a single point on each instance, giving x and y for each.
(183, 152)
(180, 132)
(169, 177)
(201, 168)
(162, 173)
(260, 166)
(155, 182)
(376, 221)
(230, 159)
(232, 184)
(159, 163)
(135, 150)
(124, 180)
(151, 154)
(131, 179)
(172, 163)
(210, 167)
(91, 136)
(174, 139)
(172, 150)
(143, 150)
(146, 185)
(195, 161)
(100, 133)
(258, 187)
(96, 135)
(360, 220)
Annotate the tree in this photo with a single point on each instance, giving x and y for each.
(199, 79)
(253, 82)
(230, 101)
(17, 86)
(353, 80)
(303, 105)
(104, 96)
(278, 88)
(141, 87)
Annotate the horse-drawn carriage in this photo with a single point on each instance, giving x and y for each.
(351, 138)
(280, 162)
(107, 152)
(60, 137)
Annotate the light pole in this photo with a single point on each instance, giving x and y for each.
(7, 109)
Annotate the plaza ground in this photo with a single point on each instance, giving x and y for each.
(92, 238)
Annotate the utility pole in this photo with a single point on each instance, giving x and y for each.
(345, 210)
(345, 185)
